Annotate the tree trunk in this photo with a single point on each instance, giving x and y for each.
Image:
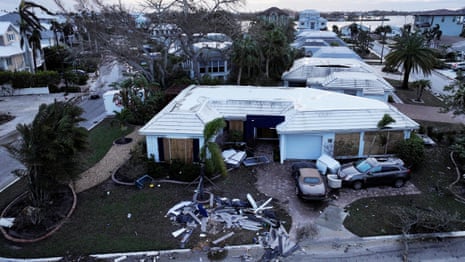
(239, 75)
(267, 68)
(406, 78)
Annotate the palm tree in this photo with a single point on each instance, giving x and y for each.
(275, 49)
(49, 149)
(420, 85)
(211, 149)
(34, 43)
(56, 28)
(245, 53)
(412, 54)
(27, 24)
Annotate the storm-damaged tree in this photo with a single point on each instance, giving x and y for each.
(30, 28)
(49, 149)
(139, 99)
(454, 100)
(417, 220)
(116, 34)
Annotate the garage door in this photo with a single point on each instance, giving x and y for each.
(303, 147)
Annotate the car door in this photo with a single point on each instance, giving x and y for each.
(373, 176)
(390, 173)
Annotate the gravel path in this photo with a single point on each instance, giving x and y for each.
(115, 157)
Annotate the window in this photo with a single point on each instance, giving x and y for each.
(442, 19)
(9, 61)
(11, 37)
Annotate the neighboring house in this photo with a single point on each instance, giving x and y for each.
(11, 54)
(310, 70)
(305, 122)
(311, 20)
(311, 41)
(361, 84)
(275, 15)
(450, 22)
(347, 32)
(213, 59)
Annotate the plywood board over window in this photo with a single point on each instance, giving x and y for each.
(382, 142)
(236, 125)
(178, 149)
(346, 144)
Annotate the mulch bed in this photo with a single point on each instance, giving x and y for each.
(59, 206)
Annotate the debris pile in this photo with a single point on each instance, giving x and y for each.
(220, 215)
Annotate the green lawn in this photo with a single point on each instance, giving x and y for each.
(100, 224)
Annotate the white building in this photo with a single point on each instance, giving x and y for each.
(305, 122)
(311, 20)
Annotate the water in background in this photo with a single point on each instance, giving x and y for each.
(398, 21)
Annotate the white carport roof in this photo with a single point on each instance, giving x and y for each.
(312, 67)
(305, 110)
(336, 52)
(369, 83)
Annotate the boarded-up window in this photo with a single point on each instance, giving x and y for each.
(346, 144)
(178, 149)
(383, 142)
(236, 125)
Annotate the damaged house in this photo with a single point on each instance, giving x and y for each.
(305, 122)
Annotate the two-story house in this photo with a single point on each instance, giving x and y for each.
(450, 22)
(11, 54)
(311, 20)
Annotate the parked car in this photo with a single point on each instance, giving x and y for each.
(310, 184)
(374, 172)
(298, 165)
(458, 66)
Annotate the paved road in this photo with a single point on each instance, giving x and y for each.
(25, 109)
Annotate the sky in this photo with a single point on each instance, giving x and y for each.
(297, 5)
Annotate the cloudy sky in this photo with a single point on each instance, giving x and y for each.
(298, 5)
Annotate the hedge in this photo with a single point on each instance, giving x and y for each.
(25, 79)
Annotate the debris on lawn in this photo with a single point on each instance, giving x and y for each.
(224, 215)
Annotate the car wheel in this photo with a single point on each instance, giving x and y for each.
(399, 183)
(357, 185)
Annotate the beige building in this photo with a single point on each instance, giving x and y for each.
(11, 54)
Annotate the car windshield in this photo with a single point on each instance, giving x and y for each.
(363, 166)
(312, 180)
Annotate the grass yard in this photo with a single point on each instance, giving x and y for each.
(375, 216)
(100, 223)
(101, 139)
(408, 95)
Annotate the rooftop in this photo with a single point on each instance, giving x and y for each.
(305, 110)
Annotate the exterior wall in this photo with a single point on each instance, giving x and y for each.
(450, 25)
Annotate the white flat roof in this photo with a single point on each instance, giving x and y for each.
(305, 110)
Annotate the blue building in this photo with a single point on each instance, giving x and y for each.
(450, 22)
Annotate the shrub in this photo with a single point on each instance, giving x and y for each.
(5, 77)
(46, 78)
(21, 80)
(411, 151)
